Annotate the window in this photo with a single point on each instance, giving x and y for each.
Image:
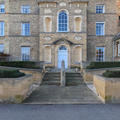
(25, 53)
(25, 9)
(47, 24)
(1, 48)
(77, 24)
(1, 28)
(118, 49)
(26, 29)
(100, 54)
(100, 9)
(2, 8)
(100, 29)
(62, 21)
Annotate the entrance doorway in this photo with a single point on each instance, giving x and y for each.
(62, 56)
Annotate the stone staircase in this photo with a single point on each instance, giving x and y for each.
(51, 78)
(74, 79)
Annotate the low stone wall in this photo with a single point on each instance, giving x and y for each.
(15, 90)
(88, 74)
(107, 88)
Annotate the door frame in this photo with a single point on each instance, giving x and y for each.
(66, 53)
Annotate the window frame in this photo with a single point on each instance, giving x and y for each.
(29, 54)
(2, 29)
(103, 9)
(119, 50)
(23, 7)
(103, 48)
(103, 29)
(23, 30)
(67, 20)
(1, 45)
(2, 8)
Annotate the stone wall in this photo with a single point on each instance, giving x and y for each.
(88, 74)
(15, 90)
(107, 88)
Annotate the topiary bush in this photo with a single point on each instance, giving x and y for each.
(21, 64)
(5, 73)
(112, 74)
(97, 65)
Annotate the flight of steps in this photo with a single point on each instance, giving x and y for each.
(74, 79)
(51, 78)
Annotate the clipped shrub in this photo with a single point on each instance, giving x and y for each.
(97, 65)
(21, 64)
(112, 74)
(5, 73)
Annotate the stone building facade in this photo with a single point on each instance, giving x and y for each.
(76, 31)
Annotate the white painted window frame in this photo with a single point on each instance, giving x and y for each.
(103, 29)
(27, 7)
(2, 6)
(68, 29)
(23, 59)
(103, 8)
(103, 56)
(2, 28)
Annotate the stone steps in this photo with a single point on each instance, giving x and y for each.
(74, 79)
(51, 78)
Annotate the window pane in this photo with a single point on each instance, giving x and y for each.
(99, 9)
(99, 28)
(100, 54)
(25, 53)
(63, 22)
(1, 48)
(26, 29)
(2, 8)
(1, 28)
(25, 9)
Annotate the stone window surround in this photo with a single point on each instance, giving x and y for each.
(103, 29)
(104, 52)
(2, 4)
(103, 8)
(58, 19)
(26, 7)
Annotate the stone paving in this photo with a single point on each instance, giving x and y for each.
(51, 94)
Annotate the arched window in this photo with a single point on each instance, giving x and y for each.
(62, 21)
(62, 48)
(77, 24)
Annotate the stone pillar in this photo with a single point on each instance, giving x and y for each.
(63, 78)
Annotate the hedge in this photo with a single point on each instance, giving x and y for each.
(4, 73)
(20, 64)
(97, 65)
(112, 74)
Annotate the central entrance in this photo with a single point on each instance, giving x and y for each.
(62, 56)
